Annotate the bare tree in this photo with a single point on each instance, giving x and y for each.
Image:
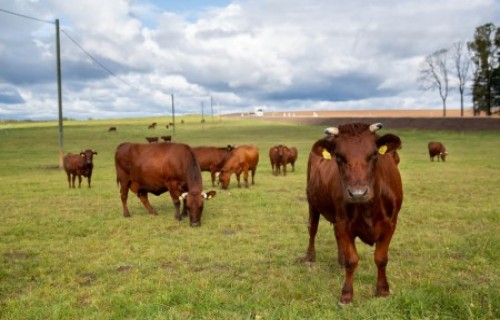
(434, 75)
(462, 62)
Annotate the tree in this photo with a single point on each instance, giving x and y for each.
(434, 75)
(485, 56)
(462, 63)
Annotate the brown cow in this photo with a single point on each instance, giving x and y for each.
(354, 182)
(280, 156)
(112, 129)
(79, 165)
(152, 139)
(292, 157)
(157, 168)
(152, 126)
(212, 158)
(437, 149)
(242, 159)
(167, 138)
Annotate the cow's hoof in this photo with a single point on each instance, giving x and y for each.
(343, 305)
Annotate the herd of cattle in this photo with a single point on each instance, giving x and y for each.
(353, 181)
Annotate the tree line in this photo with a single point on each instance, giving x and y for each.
(475, 63)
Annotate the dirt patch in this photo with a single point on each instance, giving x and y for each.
(391, 119)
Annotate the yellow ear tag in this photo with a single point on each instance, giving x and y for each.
(209, 197)
(326, 155)
(180, 198)
(382, 149)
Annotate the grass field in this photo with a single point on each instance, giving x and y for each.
(70, 254)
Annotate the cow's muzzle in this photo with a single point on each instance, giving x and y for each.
(195, 224)
(358, 194)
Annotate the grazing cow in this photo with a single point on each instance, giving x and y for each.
(152, 125)
(79, 165)
(112, 129)
(157, 168)
(167, 138)
(354, 182)
(437, 149)
(280, 156)
(212, 158)
(152, 139)
(242, 159)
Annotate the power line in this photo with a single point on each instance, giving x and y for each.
(74, 42)
(94, 59)
(25, 16)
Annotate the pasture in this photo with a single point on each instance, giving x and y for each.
(70, 254)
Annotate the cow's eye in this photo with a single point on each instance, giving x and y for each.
(340, 159)
(373, 156)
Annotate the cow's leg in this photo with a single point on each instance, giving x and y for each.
(381, 260)
(176, 195)
(349, 259)
(88, 179)
(313, 229)
(293, 166)
(143, 196)
(253, 175)
(73, 177)
(79, 181)
(124, 196)
(284, 169)
(69, 179)
(245, 176)
(212, 176)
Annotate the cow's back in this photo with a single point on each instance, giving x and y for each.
(247, 154)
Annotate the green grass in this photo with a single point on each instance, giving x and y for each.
(70, 254)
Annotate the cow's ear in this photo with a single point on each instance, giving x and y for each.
(94, 152)
(82, 154)
(321, 145)
(391, 141)
(209, 194)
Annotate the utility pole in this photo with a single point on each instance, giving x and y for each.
(59, 95)
(212, 107)
(173, 114)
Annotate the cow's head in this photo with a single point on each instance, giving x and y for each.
(356, 148)
(87, 155)
(224, 178)
(193, 204)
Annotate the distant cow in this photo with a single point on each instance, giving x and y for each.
(78, 165)
(280, 156)
(157, 168)
(354, 182)
(167, 138)
(112, 129)
(243, 159)
(152, 139)
(212, 158)
(437, 149)
(152, 125)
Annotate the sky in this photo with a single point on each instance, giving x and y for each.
(126, 58)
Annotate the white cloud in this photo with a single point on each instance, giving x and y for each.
(299, 54)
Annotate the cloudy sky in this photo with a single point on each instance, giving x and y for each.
(124, 58)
